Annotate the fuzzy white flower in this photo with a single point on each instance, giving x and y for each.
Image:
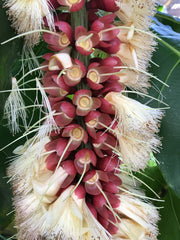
(136, 130)
(26, 164)
(68, 217)
(27, 15)
(137, 15)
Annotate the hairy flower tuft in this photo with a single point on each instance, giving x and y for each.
(136, 129)
(27, 15)
(14, 108)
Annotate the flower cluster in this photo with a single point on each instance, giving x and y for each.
(69, 184)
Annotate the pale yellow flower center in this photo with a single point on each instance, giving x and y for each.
(74, 72)
(93, 76)
(73, 1)
(77, 133)
(86, 158)
(92, 122)
(85, 43)
(64, 40)
(85, 102)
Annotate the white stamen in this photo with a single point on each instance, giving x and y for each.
(15, 109)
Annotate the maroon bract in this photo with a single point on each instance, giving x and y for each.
(55, 86)
(93, 180)
(96, 120)
(104, 144)
(64, 113)
(61, 38)
(108, 163)
(83, 159)
(75, 73)
(74, 5)
(76, 134)
(85, 102)
(85, 41)
(106, 5)
(104, 23)
(69, 167)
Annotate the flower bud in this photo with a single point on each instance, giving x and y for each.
(85, 41)
(74, 5)
(83, 159)
(84, 102)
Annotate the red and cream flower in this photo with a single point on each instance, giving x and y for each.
(85, 40)
(74, 5)
(85, 102)
(60, 39)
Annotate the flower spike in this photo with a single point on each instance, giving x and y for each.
(74, 178)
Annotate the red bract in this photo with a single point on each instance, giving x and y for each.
(110, 5)
(85, 41)
(111, 87)
(51, 145)
(104, 23)
(52, 161)
(111, 61)
(99, 200)
(53, 3)
(83, 158)
(80, 192)
(103, 221)
(104, 143)
(113, 199)
(60, 39)
(84, 102)
(92, 181)
(96, 120)
(75, 73)
(110, 187)
(92, 209)
(66, 113)
(55, 86)
(69, 167)
(112, 46)
(74, 5)
(62, 149)
(106, 107)
(95, 75)
(77, 135)
(99, 72)
(108, 163)
(106, 5)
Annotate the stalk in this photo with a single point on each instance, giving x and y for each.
(80, 18)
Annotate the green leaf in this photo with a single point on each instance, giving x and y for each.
(167, 19)
(168, 58)
(169, 209)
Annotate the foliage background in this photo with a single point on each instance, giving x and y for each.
(163, 178)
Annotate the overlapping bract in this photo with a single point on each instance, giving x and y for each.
(72, 186)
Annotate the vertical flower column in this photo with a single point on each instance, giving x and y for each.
(69, 184)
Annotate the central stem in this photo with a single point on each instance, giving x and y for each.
(80, 18)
